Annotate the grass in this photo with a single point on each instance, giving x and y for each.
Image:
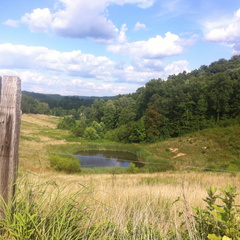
(55, 205)
(106, 206)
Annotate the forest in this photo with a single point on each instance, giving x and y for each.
(187, 102)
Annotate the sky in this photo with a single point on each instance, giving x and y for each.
(112, 47)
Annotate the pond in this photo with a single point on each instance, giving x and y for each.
(106, 158)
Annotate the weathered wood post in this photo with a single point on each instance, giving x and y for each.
(10, 119)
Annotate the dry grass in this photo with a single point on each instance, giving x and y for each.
(143, 198)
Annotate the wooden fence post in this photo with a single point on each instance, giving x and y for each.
(10, 119)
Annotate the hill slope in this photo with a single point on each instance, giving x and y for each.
(210, 148)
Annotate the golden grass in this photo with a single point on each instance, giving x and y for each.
(118, 198)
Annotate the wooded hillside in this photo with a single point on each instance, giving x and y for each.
(183, 103)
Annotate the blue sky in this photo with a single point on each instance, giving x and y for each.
(111, 47)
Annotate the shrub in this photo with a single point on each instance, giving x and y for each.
(221, 220)
(91, 134)
(132, 168)
(69, 164)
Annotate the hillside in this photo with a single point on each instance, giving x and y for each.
(210, 148)
(126, 206)
(205, 98)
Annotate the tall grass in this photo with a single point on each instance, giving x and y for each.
(59, 206)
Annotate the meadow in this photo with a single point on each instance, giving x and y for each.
(99, 205)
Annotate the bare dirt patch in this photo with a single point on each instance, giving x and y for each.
(175, 150)
(179, 155)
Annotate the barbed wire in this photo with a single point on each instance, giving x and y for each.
(133, 161)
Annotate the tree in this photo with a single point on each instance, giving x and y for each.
(138, 131)
(220, 89)
(67, 123)
(153, 122)
(109, 115)
(126, 115)
(99, 127)
(91, 134)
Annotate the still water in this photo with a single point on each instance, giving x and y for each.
(96, 158)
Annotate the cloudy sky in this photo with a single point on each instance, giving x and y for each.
(111, 47)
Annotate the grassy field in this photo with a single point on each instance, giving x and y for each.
(116, 206)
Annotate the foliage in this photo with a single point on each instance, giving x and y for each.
(42, 211)
(182, 104)
(32, 105)
(68, 163)
(91, 134)
(220, 220)
(67, 123)
(132, 168)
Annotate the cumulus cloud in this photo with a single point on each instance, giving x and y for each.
(148, 71)
(76, 73)
(228, 32)
(176, 67)
(157, 47)
(139, 26)
(82, 18)
(71, 63)
(39, 20)
(12, 23)
(122, 38)
(76, 19)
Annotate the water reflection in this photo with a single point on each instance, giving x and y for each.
(95, 158)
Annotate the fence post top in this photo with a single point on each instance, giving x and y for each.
(10, 91)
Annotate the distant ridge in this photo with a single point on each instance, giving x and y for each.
(57, 100)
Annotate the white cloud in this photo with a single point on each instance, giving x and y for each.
(227, 31)
(157, 47)
(71, 63)
(149, 70)
(82, 18)
(76, 19)
(176, 67)
(139, 26)
(12, 23)
(39, 20)
(75, 73)
(140, 3)
(122, 38)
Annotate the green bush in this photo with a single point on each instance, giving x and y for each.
(219, 220)
(69, 164)
(91, 134)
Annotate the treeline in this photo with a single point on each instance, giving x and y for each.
(161, 109)
(55, 104)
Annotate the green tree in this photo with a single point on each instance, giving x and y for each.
(109, 115)
(126, 115)
(99, 127)
(79, 129)
(154, 120)
(91, 134)
(219, 92)
(138, 131)
(67, 123)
